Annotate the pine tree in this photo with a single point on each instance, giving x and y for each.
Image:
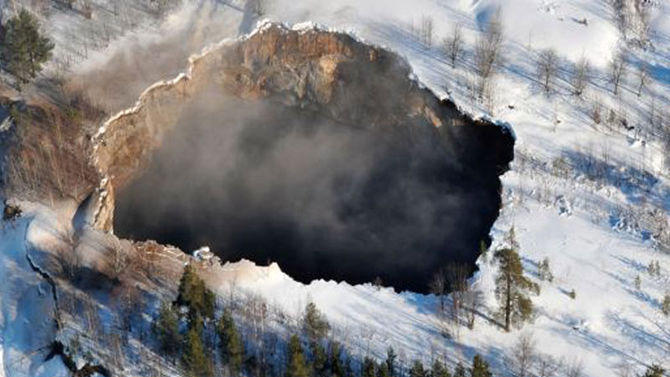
(348, 370)
(391, 361)
(665, 305)
(336, 365)
(383, 370)
(511, 288)
(194, 361)
(368, 368)
(480, 368)
(167, 329)
(297, 366)
(417, 369)
(232, 346)
(194, 294)
(460, 370)
(23, 49)
(320, 359)
(655, 371)
(439, 370)
(314, 323)
(654, 268)
(510, 238)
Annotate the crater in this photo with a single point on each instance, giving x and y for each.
(315, 151)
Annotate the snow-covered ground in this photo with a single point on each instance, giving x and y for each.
(609, 323)
(585, 226)
(592, 229)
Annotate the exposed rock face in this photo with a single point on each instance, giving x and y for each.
(323, 71)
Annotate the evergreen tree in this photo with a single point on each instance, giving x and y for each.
(297, 366)
(460, 370)
(194, 294)
(167, 329)
(335, 363)
(314, 323)
(320, 359)
(665, 305)
(368, 368)
(439, 369)
(417, 369)
(194, 361)
(187, 284)
(391, 361)
(348, 370)
(655, 371)
(383, 370)
(232, 346)
(23, 49)
(510, 239)
(511, 288)
(480, 368)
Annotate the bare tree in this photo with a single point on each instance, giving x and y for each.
(92, 317)
(546, 366)
(116, 346)
(617, 70)
(438, 287)
(453, 44)
(546, 68)
(523, 355)
(127, 300)
(256, 312)
(643, 10)
(580, 76)
(632, 18)
(625, 370)
(257, 6)
(456, 276)
(427, 31)
(642, 77)
(620, 14)
(487, 50)
(574, 368)
(472, 300)
(119, 256)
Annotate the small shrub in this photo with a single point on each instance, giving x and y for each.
(637, 282)
(665, 306)
(596, 112)
(545, 271)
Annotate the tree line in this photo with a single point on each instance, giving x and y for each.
(182, 331)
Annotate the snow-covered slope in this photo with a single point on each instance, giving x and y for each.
(596, 229)
(592, 229)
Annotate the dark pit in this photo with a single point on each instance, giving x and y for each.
(326, 200)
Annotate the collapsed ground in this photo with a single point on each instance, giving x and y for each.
(351, 202)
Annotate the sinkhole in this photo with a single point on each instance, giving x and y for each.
(325, 199)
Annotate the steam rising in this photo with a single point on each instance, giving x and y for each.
(267, 182)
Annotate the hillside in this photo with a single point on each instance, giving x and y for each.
(592, 197)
